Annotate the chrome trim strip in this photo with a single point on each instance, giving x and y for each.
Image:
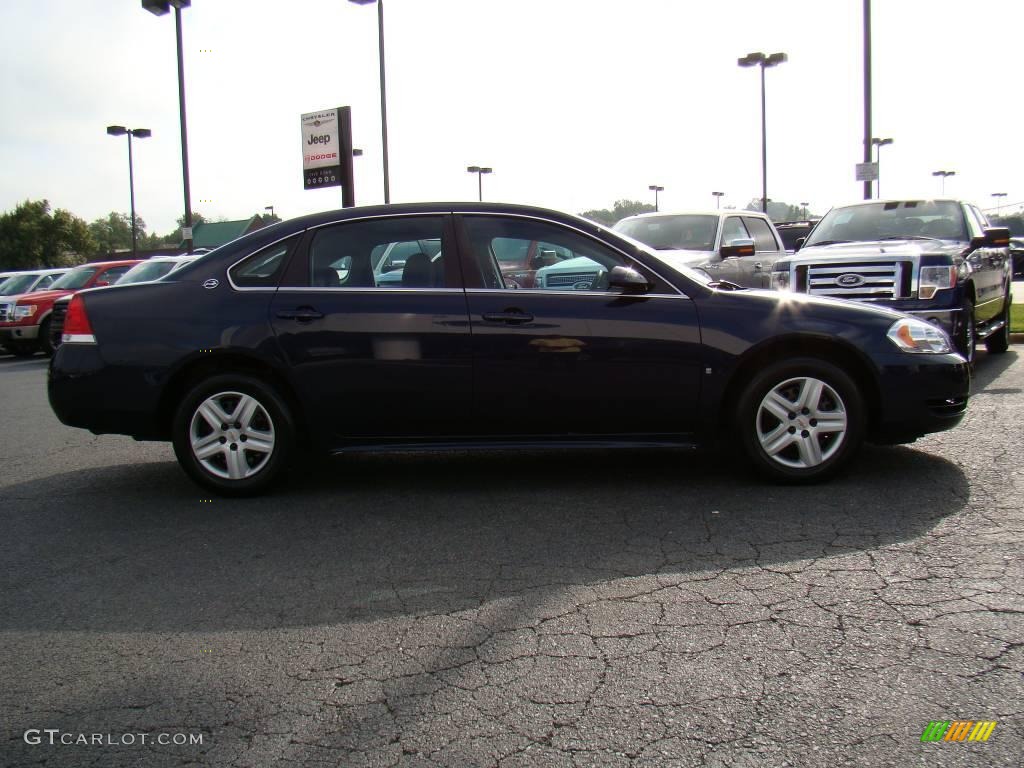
(78, 338)
(541, 292)
(361, 289)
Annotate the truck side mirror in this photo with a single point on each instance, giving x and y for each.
(800, 243)
(739, 247)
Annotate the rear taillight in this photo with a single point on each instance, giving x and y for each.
(76, 324)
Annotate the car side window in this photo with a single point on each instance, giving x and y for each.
(263, 268)
(114, 274)
(557, 258)
(403, 252)
(733, 229)
(764, 240)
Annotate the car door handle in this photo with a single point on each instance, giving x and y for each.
(757, 266)
(302, 314)
(509, 317)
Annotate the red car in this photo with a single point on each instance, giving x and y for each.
(25, 319)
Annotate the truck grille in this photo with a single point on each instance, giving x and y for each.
(859, 280)
(558, 281)
(6, 312)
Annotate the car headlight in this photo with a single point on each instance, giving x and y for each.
(919, 337)
(24, 310)
(935, 279)
(780, 279)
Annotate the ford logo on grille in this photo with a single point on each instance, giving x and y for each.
(582, 285)
(850, 280)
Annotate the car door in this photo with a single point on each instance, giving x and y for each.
(575, 358)
(989, 267)
(767, 249)
(383, 360)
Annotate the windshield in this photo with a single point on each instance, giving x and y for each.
(74, 279)
(17, 284)
(680, 232)
(146, 271)
(911, 219)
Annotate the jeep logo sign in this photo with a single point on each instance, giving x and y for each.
(850, 280)
(325, 136)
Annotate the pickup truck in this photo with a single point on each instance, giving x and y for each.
(937, 259)
(25, 318)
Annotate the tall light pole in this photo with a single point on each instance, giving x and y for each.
(159, 8)
(944, 175)
(999, 202)
(139, 133)
(878, 154)
(764, 61)
(269, 208)
(656, 189)
(804, 206)
(383, 91)
(718, 199)
(479, 171)
(867, 93)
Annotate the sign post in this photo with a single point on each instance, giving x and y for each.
(327, 152)
(867, 172)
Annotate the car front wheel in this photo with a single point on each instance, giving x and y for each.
(233, 435)
(800, 420)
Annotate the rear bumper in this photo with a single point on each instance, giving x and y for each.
(921, 396)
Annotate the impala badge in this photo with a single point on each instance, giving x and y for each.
(850, 280)
(211, 284)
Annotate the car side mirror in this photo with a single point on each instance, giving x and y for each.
(100, 283)
(740, 247)
(800, 243)
(994, 237)
(628, 279)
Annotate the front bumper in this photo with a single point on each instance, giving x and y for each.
(16, 333)
(947, 319)
(920, 394)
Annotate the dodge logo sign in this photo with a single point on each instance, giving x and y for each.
(850, 280)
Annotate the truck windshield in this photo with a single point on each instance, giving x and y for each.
(74, 279)
(17, 284)
(688, 232)
(910, 219)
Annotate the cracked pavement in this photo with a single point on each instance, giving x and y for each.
(514, 609)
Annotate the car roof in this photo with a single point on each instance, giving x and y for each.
(695, 212)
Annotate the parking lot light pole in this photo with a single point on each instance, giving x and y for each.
(999, 202)
(944, 175)
(383, 91)
(479, 171)
(139, 133)
(764, 61)
(879, 143)
(718, 199)
(804, 207)
(159, 8)
(656, 189)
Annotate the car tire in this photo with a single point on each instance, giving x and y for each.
(247, 451)
(800, 420)
(999, 341)
(966, 343)
(45, 342)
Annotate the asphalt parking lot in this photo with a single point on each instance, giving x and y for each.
(562, 609)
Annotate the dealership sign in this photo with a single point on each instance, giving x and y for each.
(327, 150)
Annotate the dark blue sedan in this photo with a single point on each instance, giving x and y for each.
(266, 345)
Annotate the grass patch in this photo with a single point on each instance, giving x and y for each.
(1017, 318)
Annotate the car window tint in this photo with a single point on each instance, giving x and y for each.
(733, 229)
(764, 240)
(403, 252)
(113, 274)
(557, 258)
(263, 268)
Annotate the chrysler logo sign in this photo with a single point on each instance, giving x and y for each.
(850, 280)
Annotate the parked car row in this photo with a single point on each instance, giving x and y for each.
(496, 325)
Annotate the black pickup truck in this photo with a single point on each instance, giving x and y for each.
(937, 259)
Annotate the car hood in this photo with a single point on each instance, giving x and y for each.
(41, 296)
(807, 305)
(889, 248)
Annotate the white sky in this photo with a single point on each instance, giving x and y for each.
(574, 103)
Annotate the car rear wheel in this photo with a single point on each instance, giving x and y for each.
(999, 341)
(233, 435)
(800, 420)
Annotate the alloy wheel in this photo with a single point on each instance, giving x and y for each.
(231, 435)
(801, 423)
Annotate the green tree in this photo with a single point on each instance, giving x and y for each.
(173, 238)
(115, 233)
(619, 211)
(31, 236)
(1014, 221)
(779, 211)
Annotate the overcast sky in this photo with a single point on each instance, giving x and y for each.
(574, 103)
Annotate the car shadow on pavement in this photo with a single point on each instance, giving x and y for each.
(988, 368)
(368, 537)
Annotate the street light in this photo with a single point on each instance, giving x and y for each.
(804, 206)
(139, 133)
(269, 208)
(999, 202)
(944, 175)
(656, 189)
(383, 91)
(479, 174)
(878, 154)
(764, 61)
(718, 199)
(159, 8)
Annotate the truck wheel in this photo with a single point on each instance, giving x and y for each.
(999, 341)
(45, 342)
(233, 435)
(965, 341)
(800, 420)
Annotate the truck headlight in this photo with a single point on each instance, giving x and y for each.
(780, 280)
(934, 279)
(24, 310)
(919, 337)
